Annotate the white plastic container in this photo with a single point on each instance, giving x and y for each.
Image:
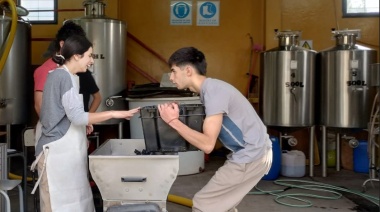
(126, 178)
(293, 163)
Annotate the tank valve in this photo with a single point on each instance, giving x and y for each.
(292, 141)
(353, 142)
(110, 102)
(4, 102)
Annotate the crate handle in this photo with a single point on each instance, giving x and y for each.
(179, 116)
(133, 179)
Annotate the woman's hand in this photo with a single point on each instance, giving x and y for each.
(125, 114)
(89, 129)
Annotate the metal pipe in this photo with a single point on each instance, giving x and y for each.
(324, 162)
(8, 135)
(372, 165)
(337, 149)
(120, 130)
(96, 136)
(311, 151)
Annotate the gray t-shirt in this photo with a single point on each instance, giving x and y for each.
(62, 105)
(242, 130)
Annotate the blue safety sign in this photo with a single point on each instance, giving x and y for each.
(207, 10)
(180, 12)
(208, 13)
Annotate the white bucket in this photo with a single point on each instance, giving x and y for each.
(293, 163)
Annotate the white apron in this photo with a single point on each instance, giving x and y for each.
(66, 169)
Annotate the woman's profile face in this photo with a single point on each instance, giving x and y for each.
(86, 60)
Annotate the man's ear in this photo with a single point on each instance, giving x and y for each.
(61, 43)
(189, 70)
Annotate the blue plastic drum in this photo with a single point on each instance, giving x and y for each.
(361, 160)
(275, 169)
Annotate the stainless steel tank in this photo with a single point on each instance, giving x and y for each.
(15, 77)
(346, 97)
(109, 38)
(287, 83)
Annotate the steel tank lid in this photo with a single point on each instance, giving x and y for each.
(101, 18)
(346, 37)
(94, 10)
(287, 38)
(290, 48)
(356, 47)
(288, 41)
(346, 40)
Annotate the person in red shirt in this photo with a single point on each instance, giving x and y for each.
(87, 82)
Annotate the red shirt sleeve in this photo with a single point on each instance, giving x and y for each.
(41, 73)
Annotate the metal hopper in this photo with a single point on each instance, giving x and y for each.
(127, 179)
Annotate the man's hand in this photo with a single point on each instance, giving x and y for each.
(169, 111)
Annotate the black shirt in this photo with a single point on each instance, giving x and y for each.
(87, 86)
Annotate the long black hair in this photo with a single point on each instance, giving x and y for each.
(73, 45)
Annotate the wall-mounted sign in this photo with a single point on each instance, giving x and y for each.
(180, 13)
(208, 13)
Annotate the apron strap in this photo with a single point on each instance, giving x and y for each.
(268, 159)
(34, 164)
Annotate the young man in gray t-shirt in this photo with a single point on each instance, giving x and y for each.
(229, 117)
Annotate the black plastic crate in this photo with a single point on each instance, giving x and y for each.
(160, 137)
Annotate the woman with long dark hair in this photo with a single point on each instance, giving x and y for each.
(62, 148)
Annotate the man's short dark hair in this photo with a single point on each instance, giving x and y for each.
(68, 29)
(189, 56)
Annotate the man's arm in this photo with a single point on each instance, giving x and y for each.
(204, 141)
(96, 99)
(38, 101)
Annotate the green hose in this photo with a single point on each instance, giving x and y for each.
(310, 185)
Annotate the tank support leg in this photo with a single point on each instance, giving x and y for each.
(337, 149)
(8, 129)
(311, 151)
(324, 161)
(120, 130)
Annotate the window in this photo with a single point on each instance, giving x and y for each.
(40, 11)
(360, 8)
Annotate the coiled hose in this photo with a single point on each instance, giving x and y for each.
(310, 185)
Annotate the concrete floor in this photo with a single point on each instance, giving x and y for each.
(187, 186)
